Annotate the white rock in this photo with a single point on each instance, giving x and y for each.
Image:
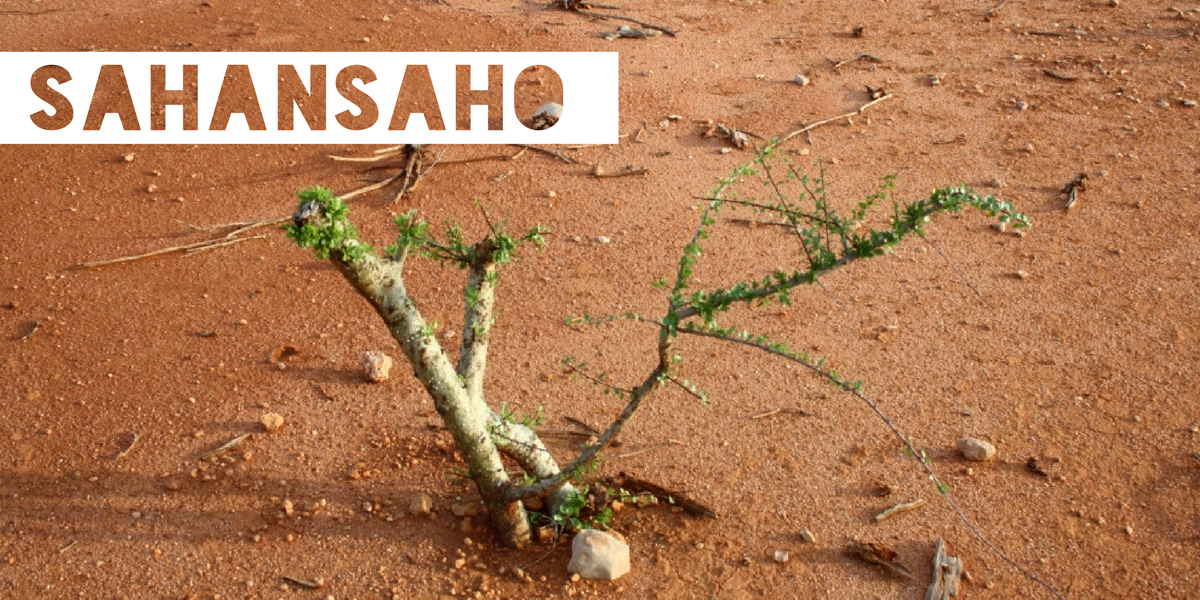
(603, 240)
(976, 450)
(376, 366)
(782, 556)
(546, 115)
(801, 80)
(598, 555)
(808, 536)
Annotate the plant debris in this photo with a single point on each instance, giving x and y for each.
(636, 485)
(878, 554)
(626, 171)
(947, 573)
(1059, 75)
(1033, 465)
(739, 138)
(900, 508)
(1073, 188)
(308, 584)
(626, 31)
(226, 447)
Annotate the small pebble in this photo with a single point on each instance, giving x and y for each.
(1188, 103)
(376, 366)
(1163, 104)
(802, 81)
(152, 188)
(421, 504)
(272, 422)
(128, 158)
(1022, 105)
(808, 536)
(782, 556)
(1022, 274)
(976, 450)
(996, 182)
(603, 240)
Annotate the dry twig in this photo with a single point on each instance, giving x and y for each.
(226, 240)
(598, 171)
(557, 155)
(861, 56)
(808, 128)
(947, 572)
(226, 447)
(899, 508)
(578, 7)
(991, 12)
(649, 448)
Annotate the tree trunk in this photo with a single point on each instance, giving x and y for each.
(380, 281)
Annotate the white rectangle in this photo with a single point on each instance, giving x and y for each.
(589, 80)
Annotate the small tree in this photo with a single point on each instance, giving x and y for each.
(827, 239)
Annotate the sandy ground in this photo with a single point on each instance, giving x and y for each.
(1087, 363)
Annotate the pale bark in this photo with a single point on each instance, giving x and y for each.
(381, 282)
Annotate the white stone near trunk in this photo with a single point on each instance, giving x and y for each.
(598, 555)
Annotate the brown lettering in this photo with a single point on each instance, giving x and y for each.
(416, 96)
(40, 84)
(293, 94)
(465, 97)
(160, 97)
(368, 111)
(237, 95)
(111, 96)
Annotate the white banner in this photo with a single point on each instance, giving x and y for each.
(331, 97)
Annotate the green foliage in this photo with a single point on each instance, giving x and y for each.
(573, 515)
(499, 247)
(322, 224)
(827, 238)
(531, 421)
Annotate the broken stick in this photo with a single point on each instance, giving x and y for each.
(900, 508)
(947, 572)
(813, 126)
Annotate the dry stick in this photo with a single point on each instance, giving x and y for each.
(895, 431)
(500, 157)
(370, 188)
(229, 239)
(962, 277)
(557, 155)
(588, 13)
(648, 448)
(862, 56)
(995, 9)
(771, 413)
(601, 173)
(30, 12)
(899, 508)
(68, 546)
(227, 446)
(1060, 76)
(808, 128)
(223, 243)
